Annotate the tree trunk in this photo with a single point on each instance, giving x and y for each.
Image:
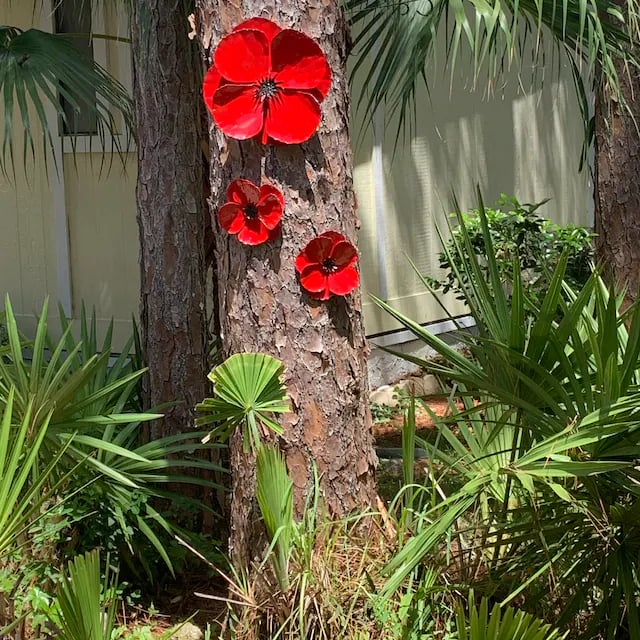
(262, 307)
(171, 211)
(617, 187)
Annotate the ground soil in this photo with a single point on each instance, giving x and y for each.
(389, 433)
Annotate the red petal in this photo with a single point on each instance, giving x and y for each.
(270, 29)
(243, 56)
(299, 63)
(237, 112)
(253, 232)
(270, 211)
(318, 250)
(344, 253)
(302, 262)
(267, 189)
(292, 117)
(231, 217)
(275, 232)
(313, 279)
(212, 81)
(334, 236)
(343, 281)
(243, 192)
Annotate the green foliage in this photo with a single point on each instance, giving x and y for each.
(382, 413)
(91, 445)
(274, 491)
(85, 607)
(25, 487)
(395, 41)
(518, 232)
(248, 390)
(540, 463)
(36, 68)
(498, 624)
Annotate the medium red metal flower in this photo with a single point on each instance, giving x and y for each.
(326, 266)
(251, 212)
(267, 81)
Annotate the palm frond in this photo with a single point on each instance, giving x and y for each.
(395, 40)
(36, 70)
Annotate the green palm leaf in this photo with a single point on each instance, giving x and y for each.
(248, 389)
(501, 624)
(395, 40)
(82, 611)
(36, 69)
(274, 491)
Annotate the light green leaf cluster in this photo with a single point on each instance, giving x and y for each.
(248, 390)
(82, 613)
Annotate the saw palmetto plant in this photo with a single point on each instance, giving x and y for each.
(394, 41)
(541, 459)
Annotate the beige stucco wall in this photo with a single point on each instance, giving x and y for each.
(525, 144)
(98, 199)
(103, 238)
(27, 226)
(522, 144)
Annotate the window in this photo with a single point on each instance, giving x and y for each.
(73, 17)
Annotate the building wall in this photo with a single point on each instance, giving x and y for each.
(523, 145)
(74, 236)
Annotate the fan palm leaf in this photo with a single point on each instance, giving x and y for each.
(37, 69)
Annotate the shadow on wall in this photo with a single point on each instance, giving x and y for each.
(522, 143)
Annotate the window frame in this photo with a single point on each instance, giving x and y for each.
(102, 19)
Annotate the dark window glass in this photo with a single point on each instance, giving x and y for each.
(74, 17)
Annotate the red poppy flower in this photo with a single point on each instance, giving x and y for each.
(253, 213)
(326, 266)
(267, 81)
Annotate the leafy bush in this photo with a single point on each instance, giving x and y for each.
(517, 232)
(94, 419)
(70, 441)
(538, 494)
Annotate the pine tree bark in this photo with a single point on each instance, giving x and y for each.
(617, 211)
(617, 187)
(172, 211)
(262, 307)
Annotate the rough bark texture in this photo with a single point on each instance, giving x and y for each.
(171, 211)
(617, 188)
(262, 307)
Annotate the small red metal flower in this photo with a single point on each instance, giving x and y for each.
(251, 212)
(267, 81)
(326, 266)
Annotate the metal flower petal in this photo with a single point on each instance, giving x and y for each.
(326, 266)
(252, 213)
(267, 82)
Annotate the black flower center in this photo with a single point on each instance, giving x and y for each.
(251, 211)
(267, 89)
(329, 266)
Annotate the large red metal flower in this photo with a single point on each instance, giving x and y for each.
(251, 212)
(267, 81)
(326, 266)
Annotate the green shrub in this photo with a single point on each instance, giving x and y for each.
(517, 232)
(538, 490)
(82, 479)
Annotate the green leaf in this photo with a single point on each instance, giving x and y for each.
(38, 67)
(274, 492)
(249, 389)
